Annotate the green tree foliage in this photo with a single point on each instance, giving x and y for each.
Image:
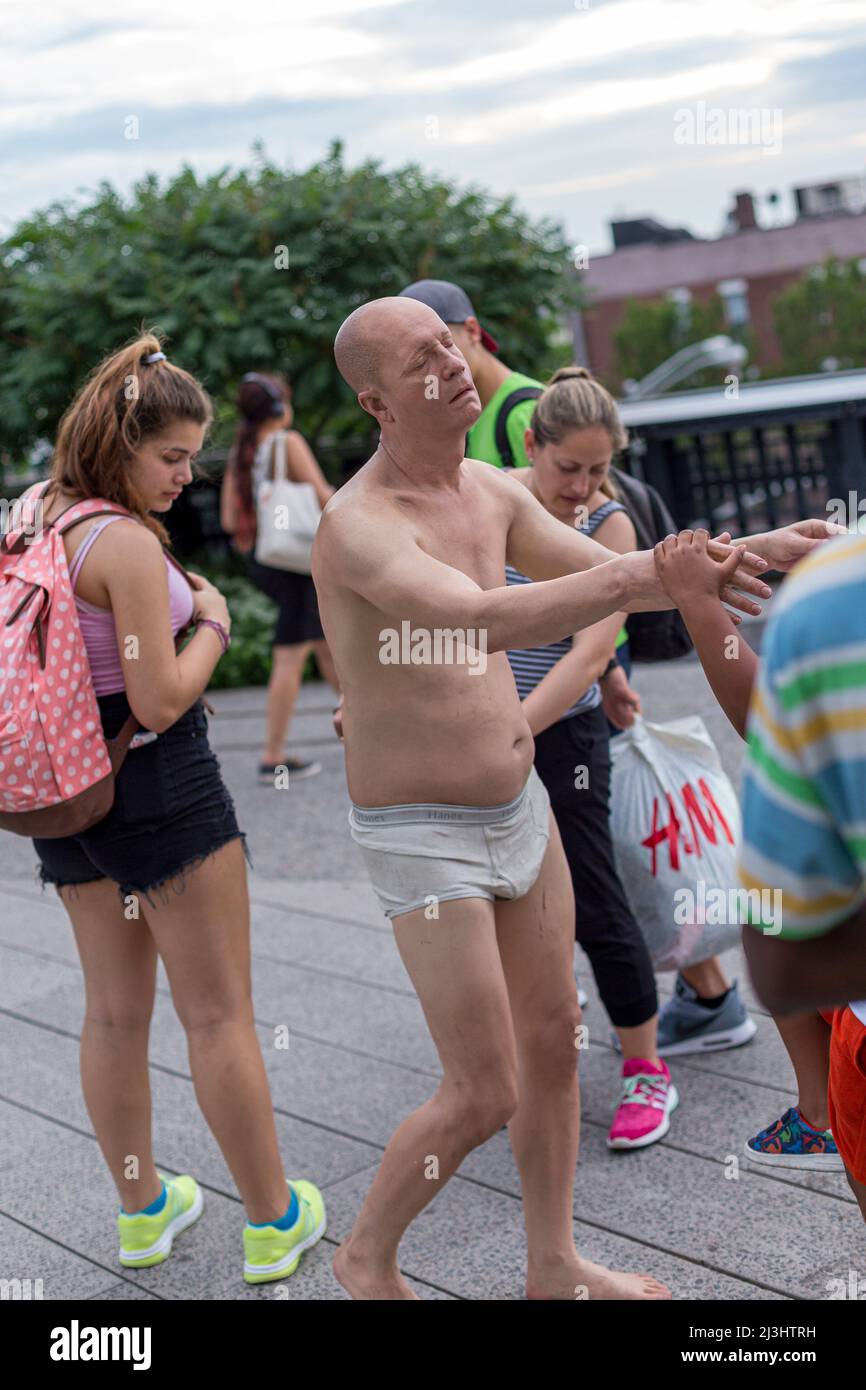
(652, 330)
(201, 260)
(822, 316)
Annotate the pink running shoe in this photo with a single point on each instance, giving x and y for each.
(644, 1111)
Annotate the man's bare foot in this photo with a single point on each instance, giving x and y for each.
(362, 1282)
(579, 1279)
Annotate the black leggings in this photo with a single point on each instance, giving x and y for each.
(604, 925)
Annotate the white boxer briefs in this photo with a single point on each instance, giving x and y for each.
(417, 855)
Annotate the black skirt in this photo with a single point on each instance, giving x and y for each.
(295, 596)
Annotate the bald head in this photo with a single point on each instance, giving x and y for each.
(360, 344)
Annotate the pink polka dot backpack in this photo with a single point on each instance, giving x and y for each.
(57, 769)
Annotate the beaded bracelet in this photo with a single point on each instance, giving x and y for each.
(225, 639)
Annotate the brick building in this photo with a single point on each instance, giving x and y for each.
(747, 266)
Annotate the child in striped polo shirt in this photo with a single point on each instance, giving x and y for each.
(804, 795)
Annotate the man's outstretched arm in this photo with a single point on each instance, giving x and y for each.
(364, 552)
(542, 547)
(788, 545)
(404, 583)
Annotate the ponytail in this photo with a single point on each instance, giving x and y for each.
(131, 396)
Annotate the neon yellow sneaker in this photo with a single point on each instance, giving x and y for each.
(147, 1240)
(274, 1254)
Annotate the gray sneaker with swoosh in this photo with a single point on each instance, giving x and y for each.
(686, 1026)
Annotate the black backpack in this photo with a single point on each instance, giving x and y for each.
(652, 636)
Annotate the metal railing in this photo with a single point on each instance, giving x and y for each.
(753, 456)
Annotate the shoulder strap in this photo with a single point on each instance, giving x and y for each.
(636, 496)
(601, 514)
(88, 515)
(276, 464)
(81, 553)
(281, 457)
(503, 446)
(127, 515)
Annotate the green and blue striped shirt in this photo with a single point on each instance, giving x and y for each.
(804, 791)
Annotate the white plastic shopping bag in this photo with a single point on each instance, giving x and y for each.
(675, 823)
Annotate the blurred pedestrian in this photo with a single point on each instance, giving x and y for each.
(264, 403)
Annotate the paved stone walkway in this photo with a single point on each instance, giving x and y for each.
(359, 1060)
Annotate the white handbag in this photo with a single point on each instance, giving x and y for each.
(288, 516)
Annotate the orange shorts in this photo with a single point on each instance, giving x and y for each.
(847, 1093)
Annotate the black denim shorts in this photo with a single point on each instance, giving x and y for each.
(171, 811)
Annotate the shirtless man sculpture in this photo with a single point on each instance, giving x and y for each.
(452, 820)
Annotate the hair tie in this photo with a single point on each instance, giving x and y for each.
(155, 357)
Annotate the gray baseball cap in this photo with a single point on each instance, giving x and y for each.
(452, 304)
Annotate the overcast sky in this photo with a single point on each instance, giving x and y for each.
(572, 106)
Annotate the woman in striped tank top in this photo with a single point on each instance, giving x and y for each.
(575, 432)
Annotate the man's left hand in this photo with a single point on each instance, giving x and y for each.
(784, 547)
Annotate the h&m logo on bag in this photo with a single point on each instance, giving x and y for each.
(701, 821)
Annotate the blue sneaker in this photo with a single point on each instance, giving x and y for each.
(686, 1026)
(791, 1142)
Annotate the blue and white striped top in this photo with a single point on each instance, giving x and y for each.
(531, 664)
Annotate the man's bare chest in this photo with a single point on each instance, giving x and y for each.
(473, 543)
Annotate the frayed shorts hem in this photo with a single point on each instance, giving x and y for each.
(166, 884)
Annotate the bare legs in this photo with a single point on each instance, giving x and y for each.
(707, 978)
(536, 943)
(325, 663)
(287, 669)
(641, 1041)
(456, 971)
(807, 1040)
(497, 990)
(806, 1037)
(203, 938)
(118, 958)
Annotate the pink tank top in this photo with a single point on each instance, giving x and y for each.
(97, 624)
